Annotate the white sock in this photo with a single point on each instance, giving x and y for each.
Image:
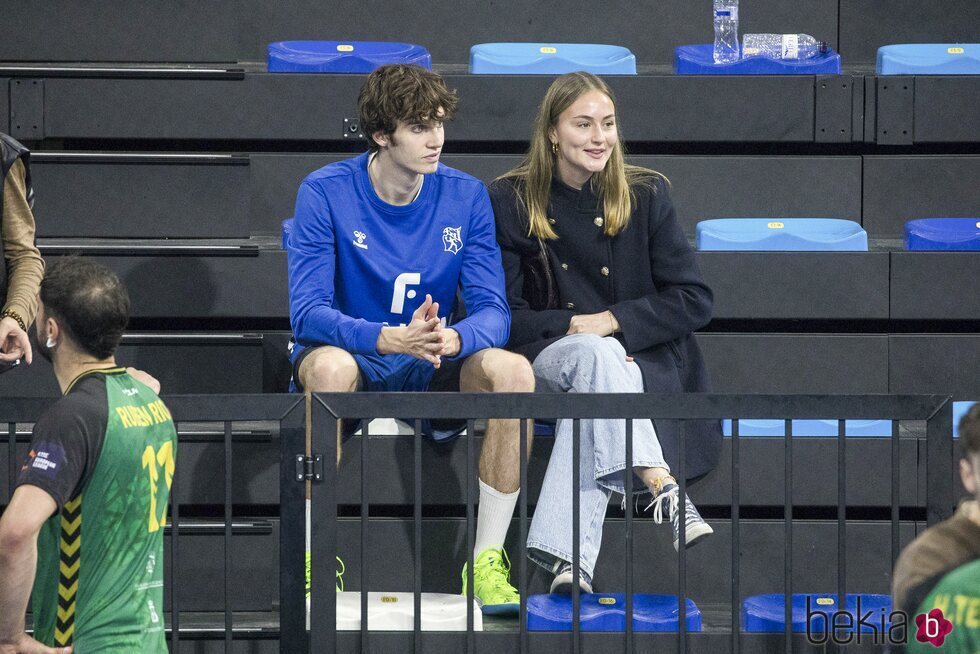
(309, 534)
(496, 512)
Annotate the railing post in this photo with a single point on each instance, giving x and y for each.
(628, 503)
(522, 588)
(292, 534)
(324, 428)
(229, 621)
(939, 464)
(736, 543)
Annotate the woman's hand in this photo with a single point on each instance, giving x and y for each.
(601, 324)
(14, 343)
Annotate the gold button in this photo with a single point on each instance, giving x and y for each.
(598, 221)
(604, 271)
(551, 221)
(564, 266)
(570, 305)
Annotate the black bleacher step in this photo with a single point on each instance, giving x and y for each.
(255, 584)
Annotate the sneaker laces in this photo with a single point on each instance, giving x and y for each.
(339, 573)
(496, 570)
(657, 503)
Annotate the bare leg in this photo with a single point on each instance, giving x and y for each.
(499, 371)
(653, 478)
(329, 369)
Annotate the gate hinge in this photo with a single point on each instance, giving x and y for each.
(309, 468)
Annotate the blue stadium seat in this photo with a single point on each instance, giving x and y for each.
(943, 234)
(343, 56)
(781, 234)
(287, 229)
(766, 613)
(699, 60)
(929, 59)
(810, 428)
(550, 59)
(607, 612)
(959, 410)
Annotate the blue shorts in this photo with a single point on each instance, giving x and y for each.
(388, 373)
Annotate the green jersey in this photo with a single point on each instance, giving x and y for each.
(957, 595)
(105, 452)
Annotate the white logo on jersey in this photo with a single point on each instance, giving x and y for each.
(451, 241)
(360, 236)
(398, 296)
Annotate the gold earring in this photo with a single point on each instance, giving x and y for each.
(554, 148)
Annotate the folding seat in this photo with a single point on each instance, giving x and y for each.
(943, 234)
(343, 56)
(698, 59)
(781, 234)
(766, 613)
(396, 612)
(550, 59)
(929, 59)
(748, 427)
(607, 612)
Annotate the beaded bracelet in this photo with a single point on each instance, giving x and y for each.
(10, 313)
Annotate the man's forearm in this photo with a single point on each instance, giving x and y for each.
(390, 340)
(18, 563)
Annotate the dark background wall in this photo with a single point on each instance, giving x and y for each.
(179, 180)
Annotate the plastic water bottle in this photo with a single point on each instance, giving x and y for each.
(782, 46)
(726, 31)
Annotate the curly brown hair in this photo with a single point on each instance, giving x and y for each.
(399, 93)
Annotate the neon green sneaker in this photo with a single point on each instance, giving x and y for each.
(491, 583)
(340, 575)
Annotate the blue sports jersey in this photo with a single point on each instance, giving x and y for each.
(357, 263)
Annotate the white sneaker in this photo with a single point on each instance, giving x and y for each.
(562, 582)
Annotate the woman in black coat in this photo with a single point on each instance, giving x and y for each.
(612, 310)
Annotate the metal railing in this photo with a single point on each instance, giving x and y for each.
(319, 418)
(328, 409)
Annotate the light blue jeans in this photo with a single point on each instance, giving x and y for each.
(586, 363)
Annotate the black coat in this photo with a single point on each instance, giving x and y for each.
(646, 275)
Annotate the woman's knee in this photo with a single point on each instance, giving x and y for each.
(577, 352)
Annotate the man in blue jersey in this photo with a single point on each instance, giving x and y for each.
(379, 247)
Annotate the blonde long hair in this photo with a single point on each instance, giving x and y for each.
(613, 184)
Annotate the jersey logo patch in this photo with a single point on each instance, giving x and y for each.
(359, 242)
(46, 459)
(451, 241)
(401, 291)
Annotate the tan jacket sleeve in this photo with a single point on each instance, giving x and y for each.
(25, 268)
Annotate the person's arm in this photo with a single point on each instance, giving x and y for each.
(487, 323)
(24, 265)
(527, 325)
(312, 269)
(20, 524)
(144, 378)
(682, 303)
